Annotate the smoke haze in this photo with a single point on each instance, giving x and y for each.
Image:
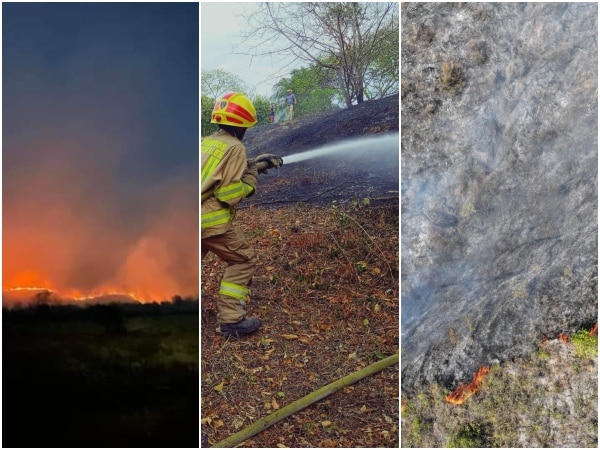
(499, 183)
(100, 156)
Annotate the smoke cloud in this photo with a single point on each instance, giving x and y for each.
(100, 151)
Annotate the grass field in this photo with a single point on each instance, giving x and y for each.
(100, 377)
(546, 400)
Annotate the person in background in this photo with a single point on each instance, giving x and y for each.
(272, 113)
(290, 101)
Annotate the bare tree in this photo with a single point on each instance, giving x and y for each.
(347, 37)
(215, 83)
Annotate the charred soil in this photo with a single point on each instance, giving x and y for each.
(342, 177)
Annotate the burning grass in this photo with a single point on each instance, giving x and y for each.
(463, 392)
(546, 400)
(326, 290)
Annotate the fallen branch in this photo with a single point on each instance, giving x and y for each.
(302, 403)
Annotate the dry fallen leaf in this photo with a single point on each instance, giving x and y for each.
(304, 339)
(216, 424)
(274, 404)
(219, 387)
(289, 337)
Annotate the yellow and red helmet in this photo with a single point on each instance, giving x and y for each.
(235, 109)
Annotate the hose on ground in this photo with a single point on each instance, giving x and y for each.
(305, 401)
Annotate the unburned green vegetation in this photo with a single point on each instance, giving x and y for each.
(548, 399)
(103, 376)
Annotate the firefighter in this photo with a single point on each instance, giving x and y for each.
(227, 177)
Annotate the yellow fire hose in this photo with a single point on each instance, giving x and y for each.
(302, 403)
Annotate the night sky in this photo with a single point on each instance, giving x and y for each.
(100, 147)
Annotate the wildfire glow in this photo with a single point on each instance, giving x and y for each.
(464, 391)
(84, 244)
(25, 293)
(37, 289)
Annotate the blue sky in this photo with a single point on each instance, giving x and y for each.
(128, 70)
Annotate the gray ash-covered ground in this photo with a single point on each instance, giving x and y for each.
(343, 177)
(499, 153)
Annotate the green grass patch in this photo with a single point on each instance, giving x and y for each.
(586, 345)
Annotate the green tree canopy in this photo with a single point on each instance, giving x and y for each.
(214, 83)
(314, 88)
(206, 106)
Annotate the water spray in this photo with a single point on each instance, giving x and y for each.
(385, 142)
(381, 143)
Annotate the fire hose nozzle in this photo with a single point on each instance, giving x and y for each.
(266, 161)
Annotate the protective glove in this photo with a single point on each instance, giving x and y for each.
(266, 161)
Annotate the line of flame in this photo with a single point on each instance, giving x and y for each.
(72, 295)
(464, 391)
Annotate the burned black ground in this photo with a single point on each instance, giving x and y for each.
(344, 178)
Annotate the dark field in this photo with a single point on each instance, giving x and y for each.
(101, 376)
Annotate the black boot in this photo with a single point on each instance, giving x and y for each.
(245, 326)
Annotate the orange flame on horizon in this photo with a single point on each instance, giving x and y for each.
(28, 288)
(464, 391)
(80, 296)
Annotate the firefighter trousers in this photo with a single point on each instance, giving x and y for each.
(233, 248)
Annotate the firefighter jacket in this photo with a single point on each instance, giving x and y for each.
(226, 179)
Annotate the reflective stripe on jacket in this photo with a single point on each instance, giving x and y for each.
(225, 180)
